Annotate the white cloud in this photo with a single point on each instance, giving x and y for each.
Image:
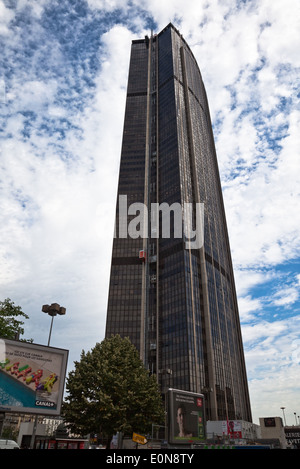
(286, 297)
(106, 5)
(59, 196)
(247, 307)
(280, 40)
(263, 330)
(6, 16)
(277, 388)
(262, 210)
(272, 359)
(288, 294)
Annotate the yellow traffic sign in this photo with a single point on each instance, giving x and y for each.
(139, 439)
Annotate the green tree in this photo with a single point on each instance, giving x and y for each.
(110, 390)
(10, 324)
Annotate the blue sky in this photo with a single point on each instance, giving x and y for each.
(63, 78)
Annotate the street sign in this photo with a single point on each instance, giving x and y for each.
(139, 439)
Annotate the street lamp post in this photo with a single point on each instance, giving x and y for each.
(53, 310)
(282, 408)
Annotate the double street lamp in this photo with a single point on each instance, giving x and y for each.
(53, 310)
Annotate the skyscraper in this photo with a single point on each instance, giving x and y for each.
(175, 300)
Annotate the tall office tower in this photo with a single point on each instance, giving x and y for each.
(175, 300)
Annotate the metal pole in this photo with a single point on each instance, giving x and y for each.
(32, 441)
(282, 408)
(52, 311)
(2, 419)
(50, 330)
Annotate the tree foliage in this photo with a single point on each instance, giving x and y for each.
(110, 390)
(10, 324)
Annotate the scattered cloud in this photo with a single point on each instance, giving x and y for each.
(289, 294)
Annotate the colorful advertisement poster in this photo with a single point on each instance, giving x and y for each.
(186, 417)
(32, 377)
(232, 428)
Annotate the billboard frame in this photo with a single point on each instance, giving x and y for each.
(28, 378)
(194, 412)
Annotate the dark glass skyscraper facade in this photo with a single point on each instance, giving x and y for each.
(177, 304)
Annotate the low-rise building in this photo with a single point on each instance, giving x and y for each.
(239, 431)
(292, 435)
(271, 429)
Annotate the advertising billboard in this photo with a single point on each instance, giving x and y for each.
(32, 377)
(233, 428)
(186, 417)
(270, 422)
(292, 435)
